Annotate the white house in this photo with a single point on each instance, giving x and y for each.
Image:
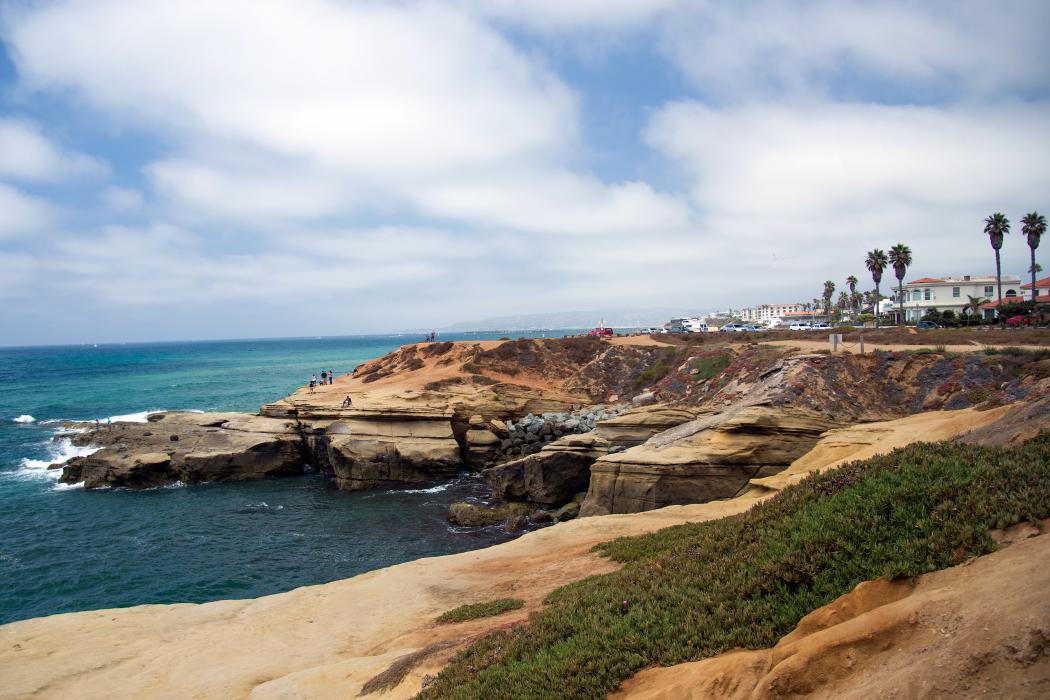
(767, 313)
(952, 293)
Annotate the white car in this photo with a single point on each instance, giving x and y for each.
(799, 326)
(821, 326)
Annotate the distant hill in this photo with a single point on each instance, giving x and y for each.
(617, 318)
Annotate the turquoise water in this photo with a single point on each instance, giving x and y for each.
(64, 549)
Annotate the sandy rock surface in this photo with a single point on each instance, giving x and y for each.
(981, 629)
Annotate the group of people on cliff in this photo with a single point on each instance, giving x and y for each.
(327, 377)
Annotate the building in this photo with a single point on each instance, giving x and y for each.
(1043, 287)
(952, 294)
(767, 313)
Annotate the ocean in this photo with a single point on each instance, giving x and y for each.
(64, 549)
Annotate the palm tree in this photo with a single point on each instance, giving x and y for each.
(876, 262)
(1036, 269)
(829, 289)
(997, 226)
(1033, 226)
(851, 282)
(973, 304)
(856, 300)
(900, 258)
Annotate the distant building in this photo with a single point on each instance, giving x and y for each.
(952, 293)
(767, 313)
(1042, 286)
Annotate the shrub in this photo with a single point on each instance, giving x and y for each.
(710, 366)
(696, 590)
(477, 610)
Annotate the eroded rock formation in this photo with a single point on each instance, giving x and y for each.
(715, 460)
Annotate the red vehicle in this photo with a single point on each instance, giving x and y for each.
(602, 331)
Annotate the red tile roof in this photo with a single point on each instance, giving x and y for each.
(1044, 299)
(925, 280)
(1045, 282)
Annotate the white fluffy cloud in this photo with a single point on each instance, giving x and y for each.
(26, 154)
(822, 182)
(928, 50)
(315, 107)
(21, 213)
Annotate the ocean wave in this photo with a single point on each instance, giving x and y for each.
(24, 418)
(59, 452)
(433, 489)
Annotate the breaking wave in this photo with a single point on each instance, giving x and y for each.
(24, 418)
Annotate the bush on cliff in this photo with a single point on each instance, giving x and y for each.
(475, 611)
(697, 590)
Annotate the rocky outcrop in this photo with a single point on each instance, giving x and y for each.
(512, 515)
(187, 447)
(553, 475)
(366, 449)
(635, 426)
(707, 459)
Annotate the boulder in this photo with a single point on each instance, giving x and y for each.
(552, 476)
(475, 515)
(567, 512)
(483, 448)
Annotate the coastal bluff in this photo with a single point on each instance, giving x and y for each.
(336, 639)
(422, 413)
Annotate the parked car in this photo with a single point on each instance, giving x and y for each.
(927, 324)
(799, 326)
(732, 328)
(821, 326)
(754, 329)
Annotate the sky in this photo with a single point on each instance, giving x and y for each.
(272, 168)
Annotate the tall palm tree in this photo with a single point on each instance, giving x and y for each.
(856, 300)
(876, 262)
(1033, 226)
(851, 282)
(900, 258)
(973, 304)
(829, 290)
(997, 226)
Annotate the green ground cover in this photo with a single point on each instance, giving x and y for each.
(697, 590)
(476, 610)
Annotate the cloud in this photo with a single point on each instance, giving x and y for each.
(371, 88)
(364, 107)
(559, 16)
(554, 202)
(122, 198)
(21, 213)
(26, 154)
(906, 51)
(805, 189)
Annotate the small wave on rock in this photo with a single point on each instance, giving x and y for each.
(59, 452)
(24, 418)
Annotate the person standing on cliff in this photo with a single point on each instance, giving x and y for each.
(324, 377)
(313, 381)
(331, 376)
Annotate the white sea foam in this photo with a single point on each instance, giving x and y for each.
(59, 452)
(143, 416)
(140, 417)
(24, 418)
(433, 489)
